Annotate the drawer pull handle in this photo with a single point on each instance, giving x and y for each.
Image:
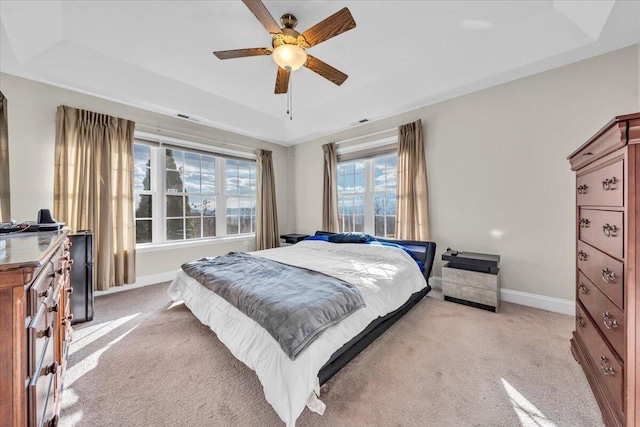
(43, 294)
(584, 223)
(67, 319)
(46, 333)
(579, 321)
(53, 309)
(606, 368)
(608, 323)
(609, 230)
(608, 276)
(582, 256)
(582, 189)
(607, 183)
(69, 291)
(583, 289)
(53, 422)
(51, 369)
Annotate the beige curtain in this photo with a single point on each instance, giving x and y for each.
(5, 191)
(412, 216)
(330, 192)
(93, 188)
(267, 235)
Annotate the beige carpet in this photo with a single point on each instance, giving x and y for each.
(146, 362)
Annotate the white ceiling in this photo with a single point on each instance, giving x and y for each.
(402, 55)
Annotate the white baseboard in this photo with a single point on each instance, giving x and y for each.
(152, 279)
(556, 305)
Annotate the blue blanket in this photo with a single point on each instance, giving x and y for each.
(293, 304)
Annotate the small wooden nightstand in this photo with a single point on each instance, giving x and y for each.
(292, 239)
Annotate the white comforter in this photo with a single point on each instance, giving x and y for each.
(385, 276)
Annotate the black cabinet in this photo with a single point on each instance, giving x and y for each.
(82, 276)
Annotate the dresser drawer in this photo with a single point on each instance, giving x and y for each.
(608, 368)
(608, 317)
(41, 289)
(602, 187)
(602, 229)
(607, 273)
(41, 397)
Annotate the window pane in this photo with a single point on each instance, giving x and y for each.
(175, 229)
(349, 183)
(191, 162)
(141, 165)
(358, 204)
(378, 204)
(193, 228)
(192, 182)
(209, 206)
(232, 225)
(208, 164)
(174, 181)
(390, 206)
(144, 231)
(391, 226)
(208, 226)
(378, 226)
(358, 223)
(174, 159)
(245, 224)
(194, 206)
(175, 206)
(208, 184)
(143, 205)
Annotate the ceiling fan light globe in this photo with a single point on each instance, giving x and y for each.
(289, 56)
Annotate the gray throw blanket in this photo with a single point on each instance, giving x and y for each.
(293, 304)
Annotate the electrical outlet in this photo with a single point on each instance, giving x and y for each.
(246, 243)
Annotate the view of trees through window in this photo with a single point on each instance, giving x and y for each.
(367, 191)
(188, 209)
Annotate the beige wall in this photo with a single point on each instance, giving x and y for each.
(499, 180)
(32, 109)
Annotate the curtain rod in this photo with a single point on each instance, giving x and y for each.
(155, 131)
(369, 135)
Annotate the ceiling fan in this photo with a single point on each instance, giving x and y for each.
(288, 45)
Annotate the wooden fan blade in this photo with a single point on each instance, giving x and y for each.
(241, 53)
(282, 81)
(326, 70)
(260, 11)
(334, 25)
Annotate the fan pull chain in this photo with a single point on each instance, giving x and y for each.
(290, 98)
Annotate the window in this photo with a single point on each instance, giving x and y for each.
(191, 196)
(241, 196)
(143, 195)
(367, 195)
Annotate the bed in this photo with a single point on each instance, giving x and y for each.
(389, 279)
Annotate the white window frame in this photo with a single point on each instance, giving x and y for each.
(158, 189)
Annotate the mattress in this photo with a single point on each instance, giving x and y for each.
(385, 276)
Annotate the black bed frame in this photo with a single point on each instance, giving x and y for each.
(425, 252)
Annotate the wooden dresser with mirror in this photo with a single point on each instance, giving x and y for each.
(36, 328)
(606, 337)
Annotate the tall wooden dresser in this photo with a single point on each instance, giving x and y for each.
(35, 327)
(607, 336)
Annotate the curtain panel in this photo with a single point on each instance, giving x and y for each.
(93, 188)
(330, 220)
(267, 235)
(412, 216)
(5, 186)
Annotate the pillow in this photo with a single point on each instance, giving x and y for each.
(350, 238)
(323, 238)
